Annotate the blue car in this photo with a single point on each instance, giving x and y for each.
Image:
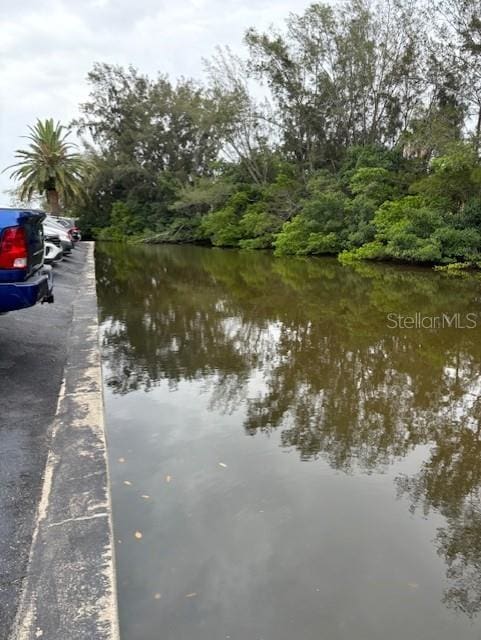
(24, 280)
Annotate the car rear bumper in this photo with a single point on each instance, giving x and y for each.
(67, 246)
(21, 295)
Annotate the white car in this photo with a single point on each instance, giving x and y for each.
(51, 229)
(52, 253)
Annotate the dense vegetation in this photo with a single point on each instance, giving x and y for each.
(355, 130)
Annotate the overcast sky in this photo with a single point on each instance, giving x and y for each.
(48, 46)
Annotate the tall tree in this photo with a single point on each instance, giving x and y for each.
(341, 77)
(152, 124)
(150, 138)
(50, 165)
(459, 22)
(250, 133)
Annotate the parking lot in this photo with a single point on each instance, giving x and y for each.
(33, 348)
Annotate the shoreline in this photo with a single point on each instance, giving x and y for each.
(458, 269)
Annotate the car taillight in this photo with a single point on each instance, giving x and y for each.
(13, 248)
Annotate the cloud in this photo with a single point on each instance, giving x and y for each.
(48, 46)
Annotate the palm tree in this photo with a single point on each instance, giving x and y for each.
(49, 166)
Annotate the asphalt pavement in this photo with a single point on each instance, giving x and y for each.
(33, 351)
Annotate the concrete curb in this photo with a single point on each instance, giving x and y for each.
(70, 587)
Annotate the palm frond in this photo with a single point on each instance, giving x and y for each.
(50, 162)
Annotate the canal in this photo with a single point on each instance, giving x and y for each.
(294, 446)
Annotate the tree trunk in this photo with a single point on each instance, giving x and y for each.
(53, 201)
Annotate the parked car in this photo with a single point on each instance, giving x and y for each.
(53, 253)
(24, 279)
(53, 238)
(52, 229)
(69, 225)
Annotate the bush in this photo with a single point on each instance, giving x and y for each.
(292, 240)
(459, 244)
(258, 228)
(454, 179)
(221, 228)
(376, 183)
(123, 224)
(371, 251)
(405, 230)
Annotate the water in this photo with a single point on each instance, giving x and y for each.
(286, 464)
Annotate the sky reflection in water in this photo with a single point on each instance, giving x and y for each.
(297, 469)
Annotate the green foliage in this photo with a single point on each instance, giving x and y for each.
(469, 215)
(201, 197)
(258, 228)
(221, 227)
(459, 244)
(293, 238)
(375, 183)
(374, 250)
(369, 156)
(366, 146)
(359, 220)
(406, 228)
(319, 229)
(453, 179)
(411, 230)
(50, 166)
(123, 224)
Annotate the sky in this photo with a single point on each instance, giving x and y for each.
(47, 48)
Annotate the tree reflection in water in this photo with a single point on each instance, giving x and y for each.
(330, 374)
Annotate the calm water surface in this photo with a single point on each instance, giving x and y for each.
(286, 466)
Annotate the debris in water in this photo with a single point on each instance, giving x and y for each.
(157, 596)
(221, 464)
(138, 535)
(168, 478)
(191, 595)
(145, 496)
(128, 483)
(121, 460)
(413, 585)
